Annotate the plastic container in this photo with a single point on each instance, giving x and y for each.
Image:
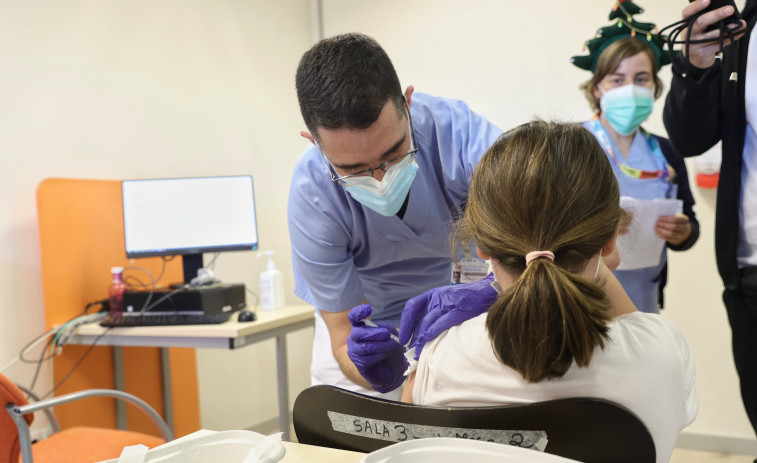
(708, 168)
(449, 449)
(271, 285)
(213, 446)
(116, 291)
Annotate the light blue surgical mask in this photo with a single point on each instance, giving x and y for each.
(626, 107)
(386, 196)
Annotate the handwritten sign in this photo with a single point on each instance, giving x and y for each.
(394, 431)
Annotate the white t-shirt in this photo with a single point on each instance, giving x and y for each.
(646, 366)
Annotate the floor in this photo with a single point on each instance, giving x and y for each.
(700, 456)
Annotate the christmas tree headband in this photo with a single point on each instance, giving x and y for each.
(625, 26)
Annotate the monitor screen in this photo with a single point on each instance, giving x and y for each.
(189, 216)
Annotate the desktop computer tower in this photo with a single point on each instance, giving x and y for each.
(209, 299)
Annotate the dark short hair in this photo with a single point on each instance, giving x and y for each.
(344, 82)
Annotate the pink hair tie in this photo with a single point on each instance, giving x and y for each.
(536, 254)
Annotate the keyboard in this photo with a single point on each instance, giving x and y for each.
(164, 319)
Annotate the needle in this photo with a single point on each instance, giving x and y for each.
(368, 322)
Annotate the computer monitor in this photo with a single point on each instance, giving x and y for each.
(189, 217)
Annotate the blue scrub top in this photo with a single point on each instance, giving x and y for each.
(641, 285)
(343, 251)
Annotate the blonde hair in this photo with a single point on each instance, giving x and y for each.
(544, 186)
(610, 59)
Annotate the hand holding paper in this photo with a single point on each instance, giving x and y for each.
(642, 247)
(675, 229)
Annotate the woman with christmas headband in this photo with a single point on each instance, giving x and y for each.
(624, 59)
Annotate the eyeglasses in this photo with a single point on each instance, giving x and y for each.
(404, 159)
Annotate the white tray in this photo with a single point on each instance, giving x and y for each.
(448, 449)
(213, 446)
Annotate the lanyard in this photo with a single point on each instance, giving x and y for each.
(604, 142)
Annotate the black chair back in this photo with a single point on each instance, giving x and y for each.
(584, 429)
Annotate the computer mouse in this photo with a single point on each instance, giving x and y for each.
(246, 316)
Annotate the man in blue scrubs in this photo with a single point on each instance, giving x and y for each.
(372, 199)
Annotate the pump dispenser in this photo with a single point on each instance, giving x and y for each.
(271, 284)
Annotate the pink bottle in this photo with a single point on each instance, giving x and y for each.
(116, 291)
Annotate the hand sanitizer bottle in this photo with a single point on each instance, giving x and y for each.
(271, 284)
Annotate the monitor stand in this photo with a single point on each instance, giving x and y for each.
(192, 263)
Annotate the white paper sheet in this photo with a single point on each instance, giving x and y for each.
(641, 247)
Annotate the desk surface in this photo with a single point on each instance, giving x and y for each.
(228, 335)
(301, 453)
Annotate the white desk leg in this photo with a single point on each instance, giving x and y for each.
(283, 380)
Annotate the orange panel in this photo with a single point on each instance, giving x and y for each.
(185, 391)
(81, 237)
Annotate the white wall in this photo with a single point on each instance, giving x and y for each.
(112, 89)
(509, 60)
(137, 89)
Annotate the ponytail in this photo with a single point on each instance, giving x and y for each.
(544, 186)
(546, 319)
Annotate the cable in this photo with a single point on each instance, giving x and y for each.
(153, 282)
(52, 375)
(56, 338)
(147, 306)
(64, 334)
(685, 24)
(76, 365)
(9, 364)
(61, 330)
(33, 343)
(51, 343)
(56, 330)
(65, 331)
(103, 303)
(257, 299)
(22, 355)
(134, 282)
(213, 260)
(39, 363)
(162, 268)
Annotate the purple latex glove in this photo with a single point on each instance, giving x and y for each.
(427, 316)
(379, 358)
